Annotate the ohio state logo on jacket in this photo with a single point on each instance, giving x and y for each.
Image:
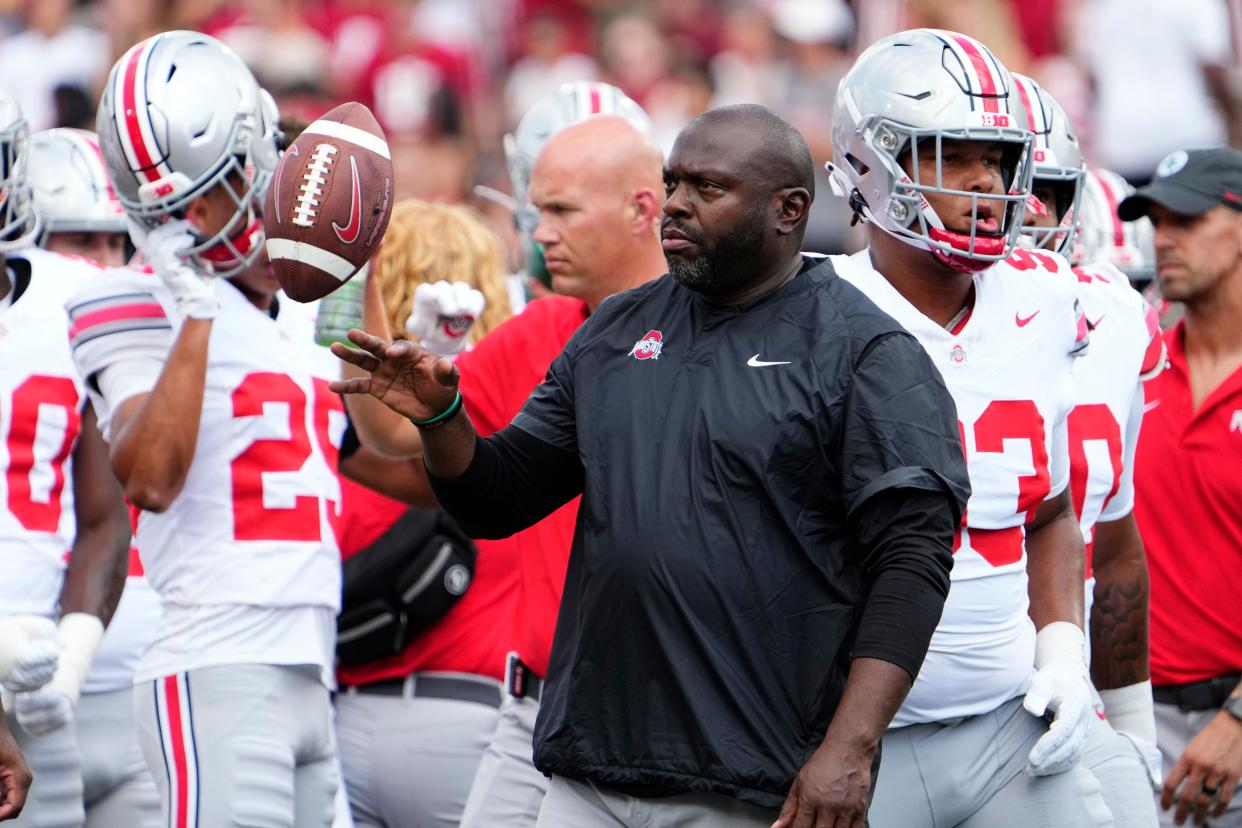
(649, 346)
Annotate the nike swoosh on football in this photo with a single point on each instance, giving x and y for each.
(1022, 323)
(349, 233)
(756, 362)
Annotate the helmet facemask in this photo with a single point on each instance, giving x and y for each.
(1066, 185)
(244, 180)
(19, 221)
(909, 216)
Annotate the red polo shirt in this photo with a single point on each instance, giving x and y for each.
(1188, 504)
(496, 378)
(518, 577)
(472, 637)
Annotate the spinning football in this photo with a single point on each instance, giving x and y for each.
(329, 202)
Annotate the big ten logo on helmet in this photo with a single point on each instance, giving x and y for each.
(994, 119)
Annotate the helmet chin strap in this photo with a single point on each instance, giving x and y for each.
(961, 264)
(964, 262)
(221, 253)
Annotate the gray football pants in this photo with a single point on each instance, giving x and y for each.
(409, 762)
(239, 745)
(55, 798)
(972, 773)
(1174, 730)
(507, 789)
(118, 788)
(571, 803)
(1122, 773)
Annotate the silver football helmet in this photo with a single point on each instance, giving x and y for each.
(572, 103)
(180, 115)
(1058, 165)
(928, 85)
(70, 184)
(1103, 237)
(19, 220)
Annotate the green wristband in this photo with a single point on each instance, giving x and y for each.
(442, 416)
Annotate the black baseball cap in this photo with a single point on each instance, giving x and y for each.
(1190, 182)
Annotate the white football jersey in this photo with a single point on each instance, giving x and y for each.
(41, 402)
(1009, 367)
(1126, 349)
(252, 531)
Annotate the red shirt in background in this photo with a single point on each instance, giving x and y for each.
(1188, 504)
(477, 632)
(496, 378)
(522, 574)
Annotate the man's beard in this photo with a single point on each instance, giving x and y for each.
(724, 266)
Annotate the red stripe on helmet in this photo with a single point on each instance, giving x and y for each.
(987, 84)
(1026, 103)
(1119, 230)
(595, 101)
(130, 107)
(93, 143)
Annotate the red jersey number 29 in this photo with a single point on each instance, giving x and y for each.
(252, 519)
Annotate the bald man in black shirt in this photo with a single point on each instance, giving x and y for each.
(771, 476)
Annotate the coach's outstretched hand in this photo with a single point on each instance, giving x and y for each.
(15, 774)
(832, 789)
(410, 380)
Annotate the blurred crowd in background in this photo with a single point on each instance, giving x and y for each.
(447, 78)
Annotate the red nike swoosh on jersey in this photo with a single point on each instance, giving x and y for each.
(349, 233)
(1096, 323)
(1022, 323)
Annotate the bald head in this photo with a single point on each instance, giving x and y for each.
(762, 141)
(608, 149)
(739, 185)
(598, 186)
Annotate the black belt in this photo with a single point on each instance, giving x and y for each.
(1208, 694)
(521, 682)
(423, 686)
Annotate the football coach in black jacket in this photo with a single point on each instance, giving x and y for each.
(771, 475)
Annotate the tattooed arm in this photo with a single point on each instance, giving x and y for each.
(1119, 615)
(1119, 665)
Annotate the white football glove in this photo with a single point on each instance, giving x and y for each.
(1130, 711)
(1060, 686)
(29, 652)
(443, 315)
(194, 292)
(42, 711)
(51, 706)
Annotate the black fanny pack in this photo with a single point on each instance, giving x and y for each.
(401, 584)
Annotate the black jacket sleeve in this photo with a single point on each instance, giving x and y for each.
(514, 481)
(905, 541)
(899, 427)
(905, 485)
